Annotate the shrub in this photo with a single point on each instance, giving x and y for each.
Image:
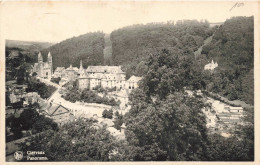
(107, 114)
(56, 80)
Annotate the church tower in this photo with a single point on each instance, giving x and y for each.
(40, 65)
(40, 60)
(49, 60)
(81, 67)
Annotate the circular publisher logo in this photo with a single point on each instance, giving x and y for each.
(18, 155)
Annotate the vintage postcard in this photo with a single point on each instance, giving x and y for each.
(129, 81)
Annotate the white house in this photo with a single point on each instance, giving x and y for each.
(211, 66)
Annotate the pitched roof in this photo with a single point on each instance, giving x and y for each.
(52, 108)
(75, 68)
(49, 54)
(83, 75)
(107, 122)
(69, 68)
(105, 69)
(56, 109)
(59, 69)
(134, 79)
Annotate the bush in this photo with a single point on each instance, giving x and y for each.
(56, 80)
(88, 96)
(43, 90)
(107, 114)
(118, 121)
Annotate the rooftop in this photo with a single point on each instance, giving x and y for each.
(134, 79)
(105, 69)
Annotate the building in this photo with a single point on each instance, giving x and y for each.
(57, 112)
(71, 73)
(60, 72)
(231, 115)
(101, 76)
(132, 83)
(43, 69)
(236, 109)
(211, 66)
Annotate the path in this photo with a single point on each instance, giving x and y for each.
(206, 42)
(107, 50)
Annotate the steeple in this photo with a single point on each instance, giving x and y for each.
(49, 54)
(81, 67)
(40, 60)
(49, 57)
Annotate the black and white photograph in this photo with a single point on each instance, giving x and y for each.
(129, 81)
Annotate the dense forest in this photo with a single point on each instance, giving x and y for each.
(132, 44)
(88, 48)
(232, 47)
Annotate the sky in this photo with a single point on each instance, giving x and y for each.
(57, 21)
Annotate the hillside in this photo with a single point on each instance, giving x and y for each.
(88, 48)
(232, 46)
(132, 44)
(31, 46)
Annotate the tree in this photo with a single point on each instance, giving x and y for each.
(43, 123)
(34, 74)
(56, 80)
(170, 129)
(75, 141)
(107, 114)
(30, 119)
(119, 120)
(167, 73)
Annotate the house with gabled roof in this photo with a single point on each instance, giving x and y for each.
(57, 112)
(132, 82)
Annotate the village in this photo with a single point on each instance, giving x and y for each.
(221, 117)
(63, 111)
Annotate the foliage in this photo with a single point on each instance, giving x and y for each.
(88, 48)
(100, 89)
(88, 96)
(18, 64)
(75, 141)
(56, 80)
(239, 147)
(30, 119)
(43, 123)
(34, 74)
(168, 72)
(30, 46)
(170, 129)
(133, 44)
(107, 114)
(171, 126)
(119, 120)
(232, 47)
(42, 89)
